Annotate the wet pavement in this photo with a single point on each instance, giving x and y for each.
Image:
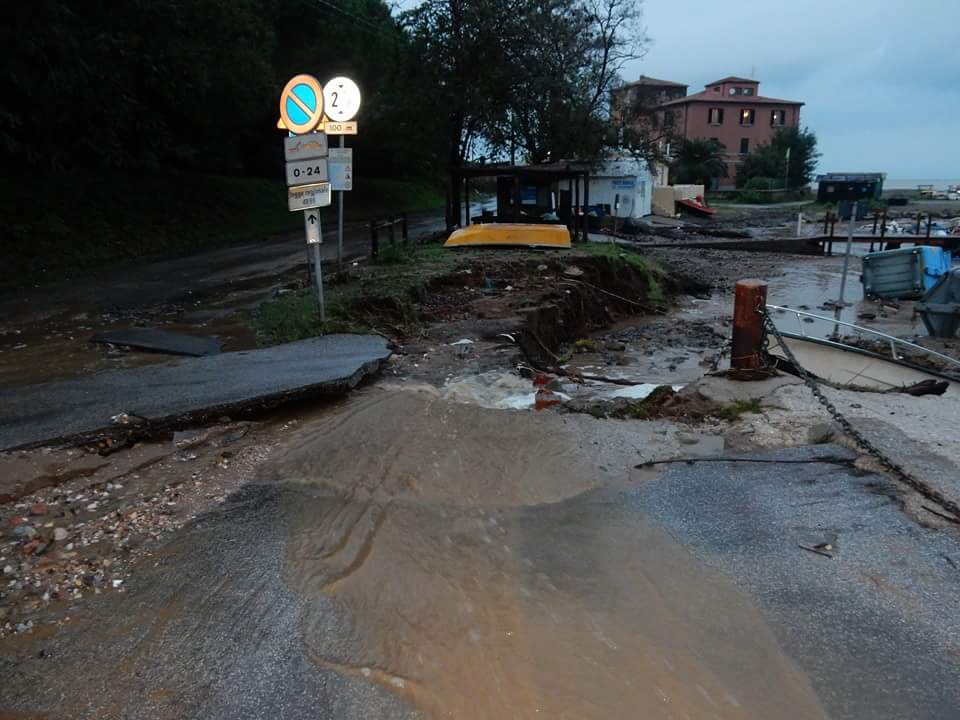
(876, 626)
(192, 389)
(411, 555)
(44, 331)
(408, 556)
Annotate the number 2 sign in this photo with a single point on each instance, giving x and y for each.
(341, 99)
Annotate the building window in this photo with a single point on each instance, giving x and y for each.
(668, 118)
(744, 146)
(747, 116)
(778, 118)
(748, 91)
(716, 116)
(717, 88)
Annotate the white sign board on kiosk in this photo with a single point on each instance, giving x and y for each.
(306, 197)
(340, 166)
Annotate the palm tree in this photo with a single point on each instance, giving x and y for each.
(698, 161)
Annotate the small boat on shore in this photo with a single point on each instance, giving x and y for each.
(510, 234)
(845, 364)
(696, 206)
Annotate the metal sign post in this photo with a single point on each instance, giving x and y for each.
(846, 265)
(307, 111)
(340, 224)
(341, 97)
(312, 225)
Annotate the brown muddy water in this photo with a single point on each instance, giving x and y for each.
(486, 563)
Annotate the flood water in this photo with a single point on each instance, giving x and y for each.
(486, 563)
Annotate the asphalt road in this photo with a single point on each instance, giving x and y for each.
(876, 627)
(188, 389)
(213, 629)
(174, 280)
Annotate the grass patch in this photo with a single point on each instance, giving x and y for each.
(652, 273)
(383, 299)
(734, 410)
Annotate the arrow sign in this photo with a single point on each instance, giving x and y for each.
(311, 221)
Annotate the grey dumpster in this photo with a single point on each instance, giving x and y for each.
(940, 308)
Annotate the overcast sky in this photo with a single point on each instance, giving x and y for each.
(880, 78)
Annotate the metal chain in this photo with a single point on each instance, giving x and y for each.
(858, 438)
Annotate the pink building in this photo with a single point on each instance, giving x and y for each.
(733, 111)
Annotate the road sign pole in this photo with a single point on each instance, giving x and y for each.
(846, 265)
(340, 225)
(318, 275)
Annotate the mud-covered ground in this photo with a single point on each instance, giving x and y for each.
(434, 545)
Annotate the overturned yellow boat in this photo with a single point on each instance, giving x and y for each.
(499, 234)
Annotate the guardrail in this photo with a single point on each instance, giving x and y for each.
(390, 224)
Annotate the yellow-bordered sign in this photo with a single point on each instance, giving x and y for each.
(301, 104)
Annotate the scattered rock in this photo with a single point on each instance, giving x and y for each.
(39, 509)
(60, 534)
(820, 434)
(24, 531)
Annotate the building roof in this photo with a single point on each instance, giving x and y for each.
(711, 97)
(851, 177)
(733, 79)
(645, 80)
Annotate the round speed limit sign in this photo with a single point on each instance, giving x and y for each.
(341, 99)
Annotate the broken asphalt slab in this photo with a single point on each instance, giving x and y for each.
(191, 390)
(162, 341)
(876, 625)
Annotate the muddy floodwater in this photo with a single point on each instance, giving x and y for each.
(485, 563)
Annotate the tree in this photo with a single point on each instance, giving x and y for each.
(698, 161)
(565, 57)
(770, 159)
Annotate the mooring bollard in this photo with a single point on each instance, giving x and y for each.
(750, 296)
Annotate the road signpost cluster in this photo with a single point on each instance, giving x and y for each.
(310, 112)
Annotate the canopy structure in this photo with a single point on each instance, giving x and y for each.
(549, 193)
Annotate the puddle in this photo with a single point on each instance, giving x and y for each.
(505, 390)
(807, 283)
(470, 561)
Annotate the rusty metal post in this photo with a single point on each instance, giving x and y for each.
(929, 223)
(919, 219)
(374, 240)
(750, 296)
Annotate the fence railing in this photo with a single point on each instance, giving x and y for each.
(889, 341)
(390, 224)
